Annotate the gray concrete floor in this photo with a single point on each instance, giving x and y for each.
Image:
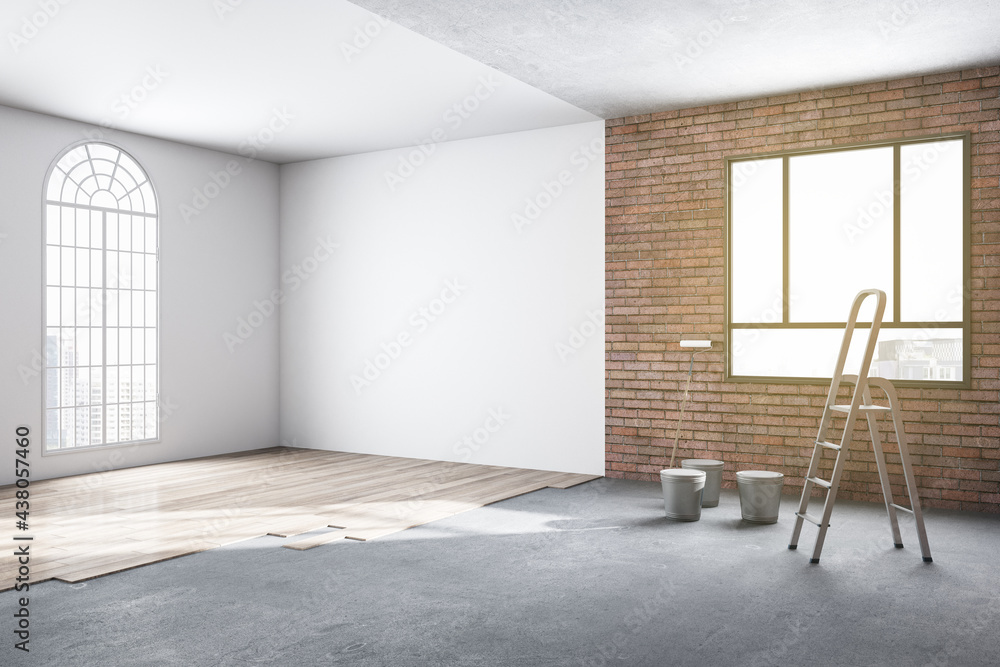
(589, 576)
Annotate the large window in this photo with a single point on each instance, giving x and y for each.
(806, 231)
(101, 311)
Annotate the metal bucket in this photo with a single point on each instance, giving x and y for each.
(713, 478)
(682, 491)
(760, 494)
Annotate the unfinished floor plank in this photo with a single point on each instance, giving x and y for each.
(315, 540)
(95, 524)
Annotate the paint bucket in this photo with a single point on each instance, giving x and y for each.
(713, 478)
(760, 494)
(682, 490)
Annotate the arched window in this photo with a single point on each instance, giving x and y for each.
(101, 310)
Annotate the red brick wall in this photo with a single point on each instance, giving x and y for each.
(665, 280)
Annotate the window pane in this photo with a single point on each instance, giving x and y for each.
(125, 232)
(150, 272)
(96, 268)
(138, 234)
(68, 271)
(96, 426)
(52, 306)
(68, 303)
(111, 278)
(150, 420)
(67, 386)
(124, 347)
(138, 271)
(840, 233)
(138, 421)
(150, 309)
(138, 383)
(112, 350)
(96, 347)
(83, 347)
(52, 224)
(124, 384)
(138, 346)
(901, 354)
(53, 260)
(111, 425)
(52, 429)
(919, 354)
(68, 216)
(786, 352)
(83, 268)
(82, 389)
(83, 308)
(82, 228)
(52, 347)
(112, 231)
(111, 308)
(756, 247)
(96, 230)
(138, 308)
(124, 308)
(931, 231)
(125, 270)
(55, 185)
(66, 425)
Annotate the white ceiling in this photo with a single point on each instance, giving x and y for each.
(222, 74)
(227, 66)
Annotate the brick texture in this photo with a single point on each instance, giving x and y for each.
(664, 280)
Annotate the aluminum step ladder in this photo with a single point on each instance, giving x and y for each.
(861, 403)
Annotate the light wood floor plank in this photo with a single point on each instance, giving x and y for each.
(95, 524)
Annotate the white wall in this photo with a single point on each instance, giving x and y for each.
(505, 343)
(212, 268)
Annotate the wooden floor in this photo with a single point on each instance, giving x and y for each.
(90, 525)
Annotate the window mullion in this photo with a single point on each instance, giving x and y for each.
(896, 240)
(785, 287)
(104, 326)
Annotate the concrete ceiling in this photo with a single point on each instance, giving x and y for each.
(320, 78)
(625, 57)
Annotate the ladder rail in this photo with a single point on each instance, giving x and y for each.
(904, 455)
(828, 411)
(883, 474)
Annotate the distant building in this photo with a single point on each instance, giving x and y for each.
(930, 359)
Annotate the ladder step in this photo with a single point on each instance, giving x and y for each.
(822, 482)
(809, 517)
(829, 445)
(863, 408)
(900, 507)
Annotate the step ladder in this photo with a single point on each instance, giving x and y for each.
(861, 403)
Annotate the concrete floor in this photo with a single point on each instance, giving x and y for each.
(589, 576)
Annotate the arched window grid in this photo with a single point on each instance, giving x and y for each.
(101, 309)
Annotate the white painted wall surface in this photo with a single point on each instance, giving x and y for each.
(482, 341)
